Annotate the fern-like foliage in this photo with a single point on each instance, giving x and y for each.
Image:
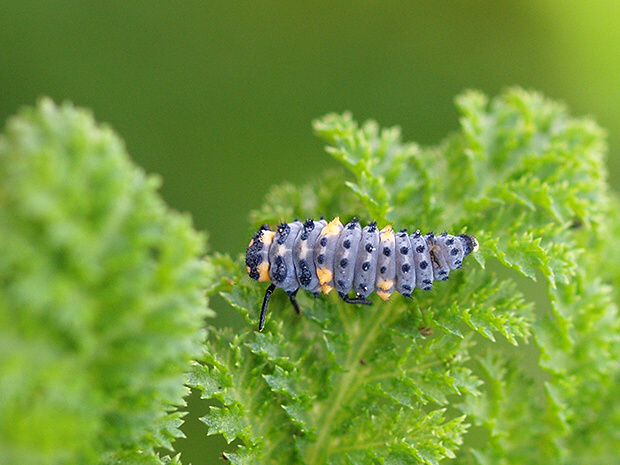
(101, 297)
(402, 382)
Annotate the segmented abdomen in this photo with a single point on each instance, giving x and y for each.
(318, 256)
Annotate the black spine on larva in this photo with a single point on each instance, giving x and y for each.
(303, 254)
(282, 233)
(281, 267)
(366, 263)
(405, 268)
(345, 256)
(441, 270)
(422, 261)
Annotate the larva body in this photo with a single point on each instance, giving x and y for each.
(319, 257)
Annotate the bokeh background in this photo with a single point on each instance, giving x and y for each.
(218, 96)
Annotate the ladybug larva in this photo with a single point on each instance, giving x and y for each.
(319, 257)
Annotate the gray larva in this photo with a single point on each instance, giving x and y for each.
(319, 257)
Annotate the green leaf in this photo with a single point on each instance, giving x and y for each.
(101, 296)
(226, 421)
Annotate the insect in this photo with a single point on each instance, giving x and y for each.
(319, 257)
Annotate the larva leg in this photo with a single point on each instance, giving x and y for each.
(263, 310)
(357, 300)
(292, 296)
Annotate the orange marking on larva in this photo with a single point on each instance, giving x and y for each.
(384, 295)
(385, 284)
(267, 237)
(325, 276)
(263, 271)
(333, 227)
(387, 233)
(326, 288)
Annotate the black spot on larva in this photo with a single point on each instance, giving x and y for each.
(363, 287)
(320, 259)
(387, 251)
(372, 227)
(279, 269)
(450, 241)
(383, 269)
(304, 235)
(417, 233)
(346, 244)
(252, 258)
(402, 232)
(406, 268)
(427, 281)
(430, 235)
(369, 247)
(443, 234)
(442, 272)
(344, 262)
(458, 263)
(323, 241)
(282, 234)
(365, 266)
(423, 264)
(309, 224)
(406, 287)
(404, 250)
(454, 251)
(340, 283)
(304, 273)
(420, 248)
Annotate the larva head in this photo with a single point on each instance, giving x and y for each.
(470, 244)
(257, 255)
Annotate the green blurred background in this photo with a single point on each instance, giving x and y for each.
(218, 96)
